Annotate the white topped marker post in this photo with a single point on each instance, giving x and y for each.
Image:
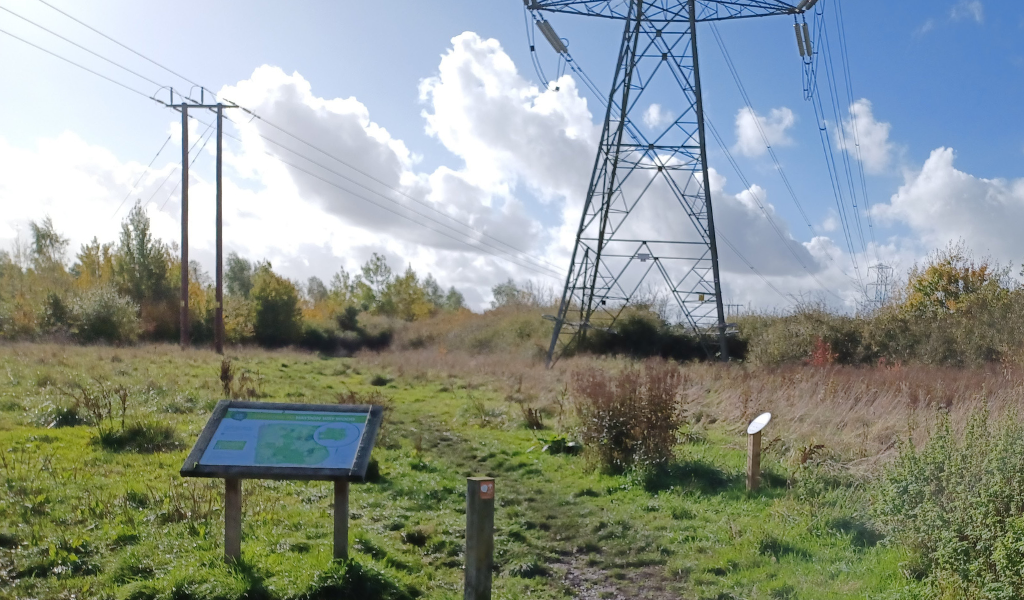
(754, 451)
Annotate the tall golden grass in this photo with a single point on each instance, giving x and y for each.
(857, 413)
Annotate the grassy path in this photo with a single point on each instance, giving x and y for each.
(81, 521)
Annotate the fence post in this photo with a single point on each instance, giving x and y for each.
(479, 537)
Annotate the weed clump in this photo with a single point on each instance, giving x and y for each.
(352, 580)
(629, 419)
(246, 385)
(145, 436)
(958, 507)
(527, 570)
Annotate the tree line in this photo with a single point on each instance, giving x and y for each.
(129, 290)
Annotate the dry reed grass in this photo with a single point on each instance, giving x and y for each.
(857, 413)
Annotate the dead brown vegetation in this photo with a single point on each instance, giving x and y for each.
(856, 413)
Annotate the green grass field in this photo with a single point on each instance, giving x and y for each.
(85, 517)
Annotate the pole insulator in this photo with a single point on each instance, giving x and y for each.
(799, 39)
(807, 41)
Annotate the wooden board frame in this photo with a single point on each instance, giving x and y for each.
(192, 467)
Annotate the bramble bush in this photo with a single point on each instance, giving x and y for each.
(957, 506)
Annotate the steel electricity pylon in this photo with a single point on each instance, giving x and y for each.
(648, 213)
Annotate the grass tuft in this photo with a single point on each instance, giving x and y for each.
(141, 436)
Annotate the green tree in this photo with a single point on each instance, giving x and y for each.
(278, 318)
(316, 291)
(454, 300)
(435, 295)
(509, 294)
(142, 262)
(49, 248)
(238, 275)
(94, 264)
(952, 281)
(343, 289)
(406, 299)
(376, 276)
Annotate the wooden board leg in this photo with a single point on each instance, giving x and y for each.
(341, 519)
(232, 519)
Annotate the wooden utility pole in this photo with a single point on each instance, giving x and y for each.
(479, 537)
(184, 226)
(218, 326)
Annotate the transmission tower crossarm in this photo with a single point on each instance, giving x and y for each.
(673, 10)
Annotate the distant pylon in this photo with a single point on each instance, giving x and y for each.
(882, 287)
(648, 206)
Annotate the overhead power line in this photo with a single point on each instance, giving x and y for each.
(764, 211)
(764, 136)
(384, 184)
(487, 248)
(139, 54)
(81, 47)
(539, 267)
(80, 66)
(144, 173)
(205, 139)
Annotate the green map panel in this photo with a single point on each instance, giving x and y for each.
(281, 444)
(286, 438)
(229, 445)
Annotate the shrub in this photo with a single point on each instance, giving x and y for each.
(278, 320)
(958, 507)
(103, 315)
(644, 334)
(239, 315)
(808, 333)
(629, 419)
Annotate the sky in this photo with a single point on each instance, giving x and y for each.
(439, 118)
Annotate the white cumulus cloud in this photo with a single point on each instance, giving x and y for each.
(861, 129)
(941, 203)
(750, 126)
(509, 140)
(655, 116)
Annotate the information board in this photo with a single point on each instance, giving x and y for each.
(285, 441)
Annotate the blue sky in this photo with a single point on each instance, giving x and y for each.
(937, 74)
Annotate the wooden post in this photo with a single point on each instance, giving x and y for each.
(218, 319)
(184, 227)
(479, 537)
(341, 519)
(232, 519)
(753, 461)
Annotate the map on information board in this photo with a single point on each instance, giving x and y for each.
(277, 440)
(286, 438)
